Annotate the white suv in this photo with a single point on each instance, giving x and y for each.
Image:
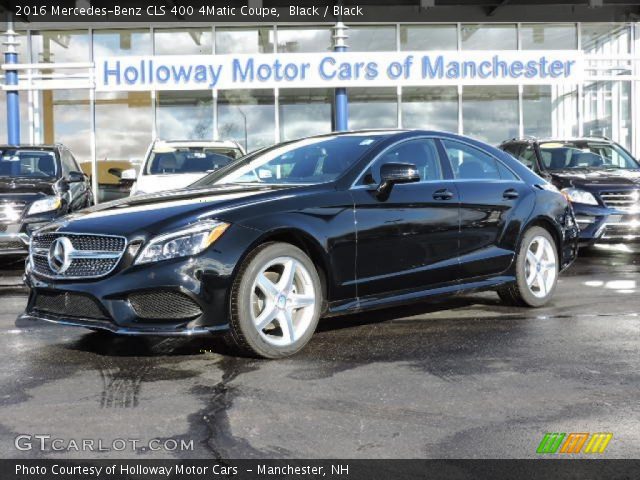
(177, 164)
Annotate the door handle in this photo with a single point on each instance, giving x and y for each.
(443, 194)
(510, 194)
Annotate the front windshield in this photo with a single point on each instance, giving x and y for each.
(27, 163)
(307, 161)
(585, 154)
(177, 160)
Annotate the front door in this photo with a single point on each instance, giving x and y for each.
(407, 241)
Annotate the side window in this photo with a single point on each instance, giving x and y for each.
(422, 153)
(469, 163)
(527, 157)
(68, 163)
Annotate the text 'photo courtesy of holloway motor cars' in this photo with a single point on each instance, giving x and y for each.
(262, 248)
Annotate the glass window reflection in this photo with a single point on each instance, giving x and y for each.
(555, 36)
(304, 39)
(428, 37)
(371, 38)
(60, 46)
(247, 116)
(304, 112)
(244, 40)
(536, 110)
(185, 115)
(183, 41)
(430, 108)
(489, 37)
(490, 113)
(373, 108)
(606, 38)
(121, 42)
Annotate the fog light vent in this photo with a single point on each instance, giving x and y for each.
(163, 305)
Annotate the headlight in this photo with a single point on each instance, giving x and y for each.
(575, 195)
(46, 204)
(182, 243)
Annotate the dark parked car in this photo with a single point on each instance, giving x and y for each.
(38, 183)
(598, 176)
(325, 225)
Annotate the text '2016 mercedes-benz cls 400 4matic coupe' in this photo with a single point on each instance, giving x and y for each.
(332, 224)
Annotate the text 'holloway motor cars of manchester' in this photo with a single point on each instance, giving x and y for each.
(263, 248)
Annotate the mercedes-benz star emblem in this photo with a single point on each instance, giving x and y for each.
(60, 254)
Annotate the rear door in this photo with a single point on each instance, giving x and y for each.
(408, 241)
(492, 202)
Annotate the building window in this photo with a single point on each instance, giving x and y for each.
(430, 108)
(304, 39)
(184, 41)
(428, 37)
(489, 37)
(606, 38)
(121, 42)
(184, 115)
(247, 116)
(490, 113)
(536, 110)
(607, 110)
(555, 36)
(244, 40)
(123, 135)
(58, 46)
(373, 107)
(371, 38)
(304, 112)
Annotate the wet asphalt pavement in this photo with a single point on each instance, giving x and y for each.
(462, 378)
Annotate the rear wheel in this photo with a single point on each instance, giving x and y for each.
(536, 271)
(276, 302)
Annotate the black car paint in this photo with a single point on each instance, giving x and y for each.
(369, 251)
(595, 181)
(75, 195)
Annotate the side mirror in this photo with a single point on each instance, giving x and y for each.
(128, 174)
(395, 173)
(75, 177)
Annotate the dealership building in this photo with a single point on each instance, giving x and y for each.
(107, 89)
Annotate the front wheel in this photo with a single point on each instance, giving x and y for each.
(276, 302)
(536, 271)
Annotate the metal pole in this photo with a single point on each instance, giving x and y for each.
(341, 99)
(11, 78)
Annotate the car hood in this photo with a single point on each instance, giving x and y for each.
(155, 213)
(24, 189)
(159, 183)
(596, 178)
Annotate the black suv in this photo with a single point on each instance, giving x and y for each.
(598, 176)
(38, 183)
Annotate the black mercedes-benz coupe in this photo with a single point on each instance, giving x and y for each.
(321, 226)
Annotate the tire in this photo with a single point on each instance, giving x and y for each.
(273, 314)
(536, 280)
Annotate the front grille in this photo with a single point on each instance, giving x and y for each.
(68, 304)
(625, 200)
(11, 211)
(163, 305)
(91, 256)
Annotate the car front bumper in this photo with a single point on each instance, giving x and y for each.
(605, 225)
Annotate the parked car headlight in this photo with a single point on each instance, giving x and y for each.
(182, 243)
(575, 195)
(46, 204)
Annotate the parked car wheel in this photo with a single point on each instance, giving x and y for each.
(276, 302)
(537, 268)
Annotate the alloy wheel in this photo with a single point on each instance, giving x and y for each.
(541, 266)
(283, 300)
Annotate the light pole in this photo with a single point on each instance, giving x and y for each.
(341, 100)
(11, 79)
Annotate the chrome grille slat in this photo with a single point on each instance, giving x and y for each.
(625, 200)
(93, 256)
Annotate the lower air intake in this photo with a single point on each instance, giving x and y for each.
(69, 304)
(164, 305)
